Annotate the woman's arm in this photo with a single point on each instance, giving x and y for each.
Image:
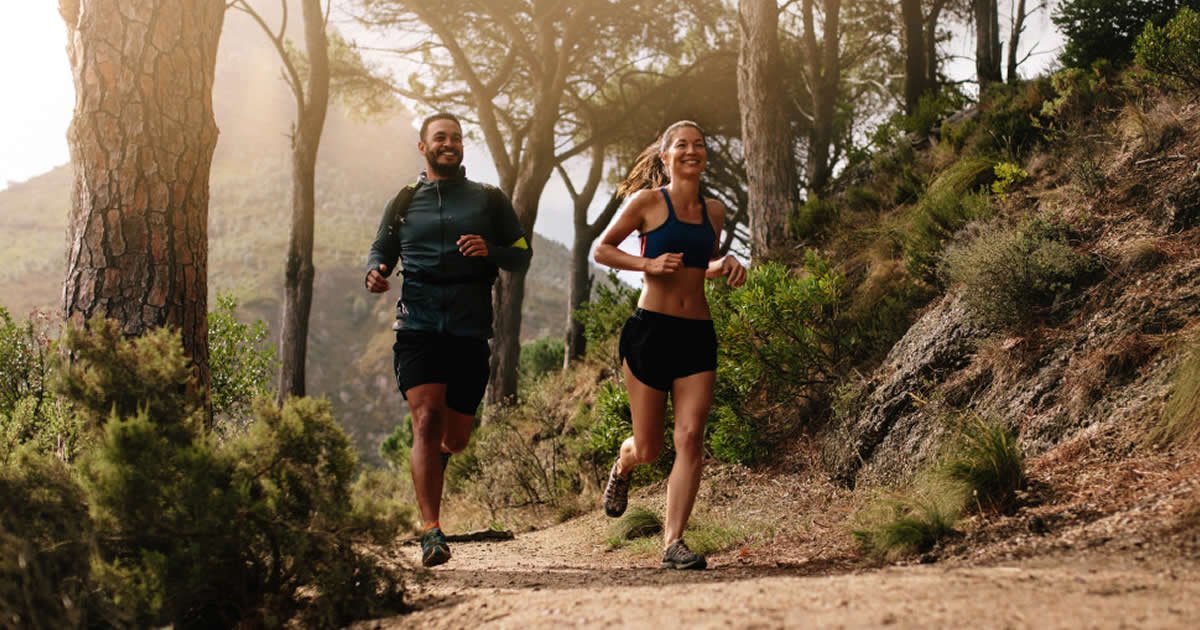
(609, 253)
(722, 266)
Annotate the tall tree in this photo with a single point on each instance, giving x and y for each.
(824, 75)
(987, 43)
(915, 70)
(1014, 39)
(766, 133)
(142, 139)
(310, 87)
(518, 71)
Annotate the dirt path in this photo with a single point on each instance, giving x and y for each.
(562, 576)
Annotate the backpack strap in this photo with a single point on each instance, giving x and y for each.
(400, 204)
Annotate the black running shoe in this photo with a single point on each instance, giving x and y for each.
(678, 556)
(434, 550)
(616, 493)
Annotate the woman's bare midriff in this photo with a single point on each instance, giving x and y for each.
(679, 294)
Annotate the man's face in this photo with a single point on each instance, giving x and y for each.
(443, 147)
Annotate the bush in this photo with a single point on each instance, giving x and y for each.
(732, 438)
(1008, 123)
(611, 425)
(24, 362)
(1007, 176)
(932, 108)
(939, 215)
(812, 218)
(607, 311)
(540, 357)
(1014, 275)
(782, 336)
(512, 468)
(1107, 29)
(240, 360)
(990, 464)
(257, 530)
(1173, 50)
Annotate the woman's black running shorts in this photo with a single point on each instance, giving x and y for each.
(661, 348)
(429, 357)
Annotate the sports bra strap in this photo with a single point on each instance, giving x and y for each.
(670, 208)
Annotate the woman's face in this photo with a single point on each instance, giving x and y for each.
(685, 155)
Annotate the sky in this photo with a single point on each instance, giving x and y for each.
(39, 101)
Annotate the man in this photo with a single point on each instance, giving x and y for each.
(451, 236)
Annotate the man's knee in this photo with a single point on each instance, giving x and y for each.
(428, 423)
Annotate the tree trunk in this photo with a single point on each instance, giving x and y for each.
(142, 141)
(578, 293)
(825, 76)
(914, 54)
(987, 43)
(312, 102)
(766, 135)
(1014, 40)
(931, 19)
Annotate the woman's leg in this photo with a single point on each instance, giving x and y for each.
(693, 397)
(647, 406)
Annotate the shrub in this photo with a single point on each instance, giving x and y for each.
(396, 446)
(1087, 176)
(611, 424)
(240, 360)
(24, 362)
(1008, 119)
(931, 109)
(1107, 29)
(1007, 175)
(782, 336)
(540, 357)
(607, 311)
(934, 221)
(894, 526)
(733, 438)
(1173, 50)
(513, 470)
(812, 218)
(1016, 274)
(988, 461)
(1180, 420)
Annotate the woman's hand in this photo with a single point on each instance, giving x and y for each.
(663, 265)
(734, 272)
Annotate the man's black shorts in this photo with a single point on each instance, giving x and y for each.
(661, 348)
(429, 357)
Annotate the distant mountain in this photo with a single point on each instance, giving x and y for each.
(362, 164)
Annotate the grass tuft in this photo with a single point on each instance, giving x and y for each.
(895, 526)
(989, 463)
(638, 522)
(1180, 421)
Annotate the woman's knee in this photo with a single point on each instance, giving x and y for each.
(689, 440)
(646, 452)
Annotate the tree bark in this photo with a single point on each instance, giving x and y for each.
(914, 54)
(1014, 40)
(142, 141)
(987, 43)
(825, 76)
(766, 134)
(312, 102)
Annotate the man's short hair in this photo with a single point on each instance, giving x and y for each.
(438, 116)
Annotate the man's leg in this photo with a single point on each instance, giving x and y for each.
(429, 418)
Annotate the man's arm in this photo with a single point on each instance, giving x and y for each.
(385, 250)
(512, 252)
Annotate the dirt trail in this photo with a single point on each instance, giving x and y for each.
(562, 576)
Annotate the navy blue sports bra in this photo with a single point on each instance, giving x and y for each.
(695, 240)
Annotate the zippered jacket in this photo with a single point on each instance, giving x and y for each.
(444, 291)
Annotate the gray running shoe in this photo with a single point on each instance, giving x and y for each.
(678, 556)
(434, 550)
(616, 493)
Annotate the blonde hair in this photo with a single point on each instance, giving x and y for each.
(648, 169)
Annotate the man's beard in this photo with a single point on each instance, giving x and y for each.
(441, 169)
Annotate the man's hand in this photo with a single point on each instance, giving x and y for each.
(663, 265)
(472, 245)
(377, 280)
(734, 272)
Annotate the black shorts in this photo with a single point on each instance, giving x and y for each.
(428, 357)
(661, 348)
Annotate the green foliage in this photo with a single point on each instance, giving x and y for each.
(1076, 94)
(240, 360)
(1106, 29)
(893, 162)
(942, 212)
(891, 527)
(611, 424)
(932, 108)
(541, 357)
(396, 446)
(989, 462)
(24, 353)
(637, 522)
(607, 311)
(512, 470)
(732, 438)
(1087, 176)
(1017, 274)
(45, 546)
(1180, 420)
(812, 218)
(1173, 50)
(780, 333)
(1007, 176)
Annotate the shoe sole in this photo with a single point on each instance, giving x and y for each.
(613, 513)
(696, 565)
(436, 557)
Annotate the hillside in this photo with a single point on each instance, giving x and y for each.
(361, 165)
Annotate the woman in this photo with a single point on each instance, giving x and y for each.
(669, 345)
